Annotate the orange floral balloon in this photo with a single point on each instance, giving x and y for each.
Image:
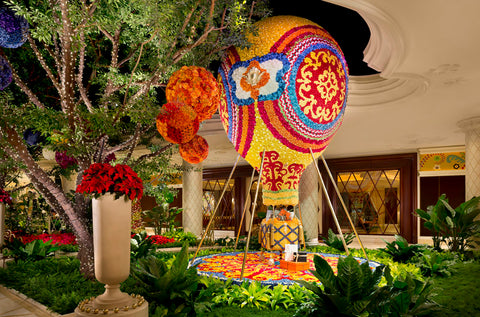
(194, 86)
(177, 123)
(194, 151)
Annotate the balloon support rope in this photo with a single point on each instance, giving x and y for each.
(254, 205)
(244, 210)
(343, 205)
(212, 216)
(330, 204)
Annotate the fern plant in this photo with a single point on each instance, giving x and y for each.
(335, 242)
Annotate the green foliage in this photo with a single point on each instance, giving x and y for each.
(68, 248)
(169, 290)
(181, 236)
(33, 251)
(161, 216)
(347, 294)
(400, 250)
(458, 293)
(355, 292)
(456, 227)
(433, 262)
(140, 247)
(54, 282)
(335, 242)
(254, 295)
(407, 296)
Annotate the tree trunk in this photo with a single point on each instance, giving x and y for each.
(56, 198)
(85, 255)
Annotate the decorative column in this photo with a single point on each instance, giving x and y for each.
(308, 202)
(471, 127)
(192, 196)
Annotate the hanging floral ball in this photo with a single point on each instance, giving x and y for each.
(5, 74)
(177, 122)
(194, 151)
(13, 29)
(195, 86)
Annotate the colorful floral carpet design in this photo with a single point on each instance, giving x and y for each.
(229, 266)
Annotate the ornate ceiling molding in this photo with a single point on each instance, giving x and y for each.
(385, 51)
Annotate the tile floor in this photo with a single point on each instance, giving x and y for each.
(13, 305)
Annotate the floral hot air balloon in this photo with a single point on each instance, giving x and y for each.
(285, 95)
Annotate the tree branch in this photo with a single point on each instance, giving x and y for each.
(44, 64)
(153, 154)
(19, 82)
(79, 78)
(67, 92)
(135, 138)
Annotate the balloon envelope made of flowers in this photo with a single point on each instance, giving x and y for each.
(13, 29)
(285, 94)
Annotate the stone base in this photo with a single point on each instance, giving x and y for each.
(135, 306)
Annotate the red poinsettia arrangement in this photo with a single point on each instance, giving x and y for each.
(102, 178)
(5, 197)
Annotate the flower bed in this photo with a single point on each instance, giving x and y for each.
(56, 238)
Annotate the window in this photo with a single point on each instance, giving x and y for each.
(379, 193)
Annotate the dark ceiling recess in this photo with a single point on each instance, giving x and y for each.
(346, 26)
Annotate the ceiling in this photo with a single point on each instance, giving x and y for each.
(422, 77)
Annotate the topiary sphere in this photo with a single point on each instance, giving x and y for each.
(194, 86)
(177, 122)
(194, 151)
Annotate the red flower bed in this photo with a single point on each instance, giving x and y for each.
(157, 239)
(57, 238)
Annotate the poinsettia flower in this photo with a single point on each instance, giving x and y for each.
(101, 178)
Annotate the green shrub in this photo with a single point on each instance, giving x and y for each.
(54, 282)
(140, 246)
(433, 262)
(400, 250)
(169, 289)
(456, 227)
(254, 295)
(181, 236)
(33, 251)
(354, 291)
(335, 242)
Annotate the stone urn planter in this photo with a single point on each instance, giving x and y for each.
(111, 239)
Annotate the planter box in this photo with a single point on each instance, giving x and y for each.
(294, 266)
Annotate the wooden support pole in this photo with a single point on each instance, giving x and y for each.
(254, 204)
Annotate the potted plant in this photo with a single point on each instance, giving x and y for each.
(113, 188)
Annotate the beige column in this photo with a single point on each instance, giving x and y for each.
(192, 196)
(308, 202)
(471, 127)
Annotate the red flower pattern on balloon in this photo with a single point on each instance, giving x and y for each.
(102, 178)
